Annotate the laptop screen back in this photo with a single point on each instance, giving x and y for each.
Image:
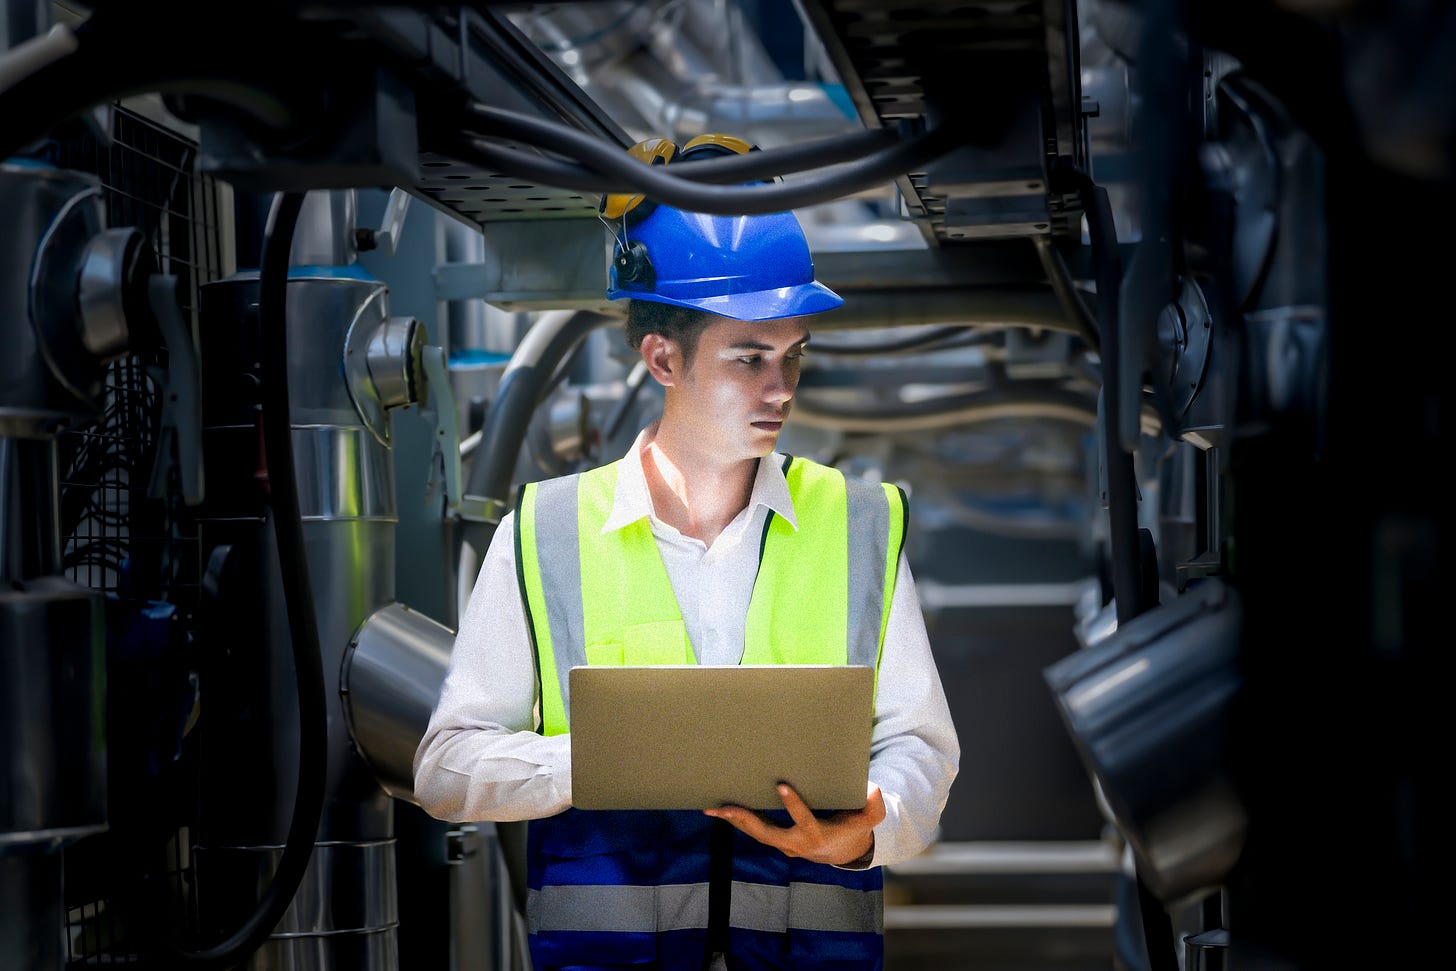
(699, 736)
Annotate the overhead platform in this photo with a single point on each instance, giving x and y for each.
(1006, 71)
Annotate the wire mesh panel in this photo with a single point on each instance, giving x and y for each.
(126, 531)
(117, 537)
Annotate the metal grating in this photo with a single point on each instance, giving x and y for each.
(138, 549)
(115, 539)
(485, 196)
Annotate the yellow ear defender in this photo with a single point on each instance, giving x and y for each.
(660, 151)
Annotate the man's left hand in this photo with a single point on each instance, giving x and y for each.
(837, 840)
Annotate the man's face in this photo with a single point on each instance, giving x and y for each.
(737, 390)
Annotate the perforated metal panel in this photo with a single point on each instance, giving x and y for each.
(484, 196)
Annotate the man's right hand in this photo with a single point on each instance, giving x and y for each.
(837, 840)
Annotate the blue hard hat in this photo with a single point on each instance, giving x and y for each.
(744, 267)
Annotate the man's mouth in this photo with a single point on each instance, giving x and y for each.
(769, 424)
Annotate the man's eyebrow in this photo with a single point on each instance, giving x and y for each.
(752, 345)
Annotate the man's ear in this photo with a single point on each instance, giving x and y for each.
(663, 357)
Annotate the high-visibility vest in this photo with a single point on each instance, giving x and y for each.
(608, 887)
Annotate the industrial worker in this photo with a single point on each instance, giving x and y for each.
(685, 526)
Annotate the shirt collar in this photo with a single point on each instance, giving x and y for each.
(632, 501)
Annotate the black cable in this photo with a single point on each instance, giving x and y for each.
(298, 594)
(725, 169)
(562, 370)
(609, 169)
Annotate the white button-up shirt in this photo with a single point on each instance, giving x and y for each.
(481, 758)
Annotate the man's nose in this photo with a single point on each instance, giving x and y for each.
(781, 385)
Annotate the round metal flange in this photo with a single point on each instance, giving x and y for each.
(54, 279)
(356, 366)
(1185, 328)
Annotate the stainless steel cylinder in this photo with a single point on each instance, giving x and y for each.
(52, 714)
(345, 913)
(30, 539)
(1148, 709)
(48, 379)
(52, 633)
(392, 676)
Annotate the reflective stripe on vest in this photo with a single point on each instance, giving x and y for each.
(565, 562)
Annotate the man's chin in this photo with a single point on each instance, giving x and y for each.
(763, 448)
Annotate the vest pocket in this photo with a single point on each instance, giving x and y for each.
(657, 642)
(607, 653)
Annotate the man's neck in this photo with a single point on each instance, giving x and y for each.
(692, 492)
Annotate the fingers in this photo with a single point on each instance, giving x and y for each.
(798, 809)
(750, 823)
(874, 808)
(836, 839)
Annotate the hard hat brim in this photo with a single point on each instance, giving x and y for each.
(794, 301)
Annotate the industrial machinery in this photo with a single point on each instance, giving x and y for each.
(299, 294)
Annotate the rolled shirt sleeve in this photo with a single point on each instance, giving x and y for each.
(481, 757)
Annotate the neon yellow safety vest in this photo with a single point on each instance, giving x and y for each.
(822, 594)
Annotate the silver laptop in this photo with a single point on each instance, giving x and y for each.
(688, 736)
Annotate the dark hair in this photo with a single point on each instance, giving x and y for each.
(681, 324)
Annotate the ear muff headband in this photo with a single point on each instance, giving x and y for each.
(660, 151)
(653, 151)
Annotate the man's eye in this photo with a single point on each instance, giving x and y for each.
(751, 359)
(794, 356)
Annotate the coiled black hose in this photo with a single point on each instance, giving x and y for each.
(298, 593)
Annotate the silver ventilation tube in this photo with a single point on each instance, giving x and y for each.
(1149, 708)
(701, 68)
(350, 363)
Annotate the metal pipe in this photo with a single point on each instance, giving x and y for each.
(549, 341)
(391, 679)
(1025, 306)
(345, 913)
(948, 411)
(52, 631)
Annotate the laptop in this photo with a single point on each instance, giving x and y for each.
(689, 736)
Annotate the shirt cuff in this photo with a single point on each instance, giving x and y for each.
(863, 862)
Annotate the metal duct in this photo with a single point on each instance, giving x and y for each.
(391, 679)
(1029, 306)
(52, 631)
(348, 363)
(683, 69)
(1148, 709)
